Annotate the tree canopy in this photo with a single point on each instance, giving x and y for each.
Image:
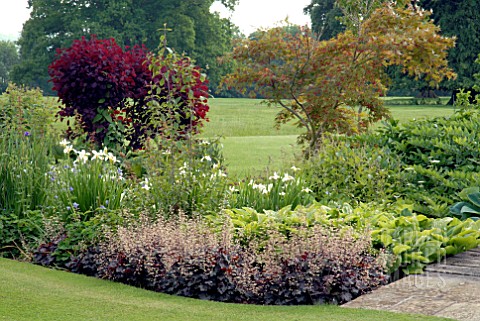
(459, 19)
(8, 59)
(324, 14)
(56, 23)
(455, 18)
(334, 85)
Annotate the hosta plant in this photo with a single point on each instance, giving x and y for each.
(469, 207)
(415, 240)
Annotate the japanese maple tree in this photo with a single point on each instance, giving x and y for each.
(335, 85)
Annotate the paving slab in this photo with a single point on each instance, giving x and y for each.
(448, 289)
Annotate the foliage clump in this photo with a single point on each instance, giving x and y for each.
(111, 91)
(438, 156)
(186, 176)
(354, 171)
(24, 109)
(185, 258)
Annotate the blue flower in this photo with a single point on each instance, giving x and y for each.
(75, 205)
(68, 208)
(26, 134)
(71, 189)
(102, 207)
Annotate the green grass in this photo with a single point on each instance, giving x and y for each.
(31, 292)
(246, 155)
(405, 113)
(252, 143)
(232, 117)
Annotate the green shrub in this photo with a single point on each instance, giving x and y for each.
(19, 236)
(25, 110)
(413, 101)
(346, 170)
(72, 245)
(179, 176)
(439, 158)
(425, 163)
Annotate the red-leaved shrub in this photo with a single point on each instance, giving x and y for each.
(109, 90)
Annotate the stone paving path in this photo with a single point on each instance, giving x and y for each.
(448, 289)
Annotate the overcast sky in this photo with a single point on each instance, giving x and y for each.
(249, 14)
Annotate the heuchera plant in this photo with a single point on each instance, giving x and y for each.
(107, 90)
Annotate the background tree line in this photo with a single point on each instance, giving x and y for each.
(53, 24)
(205, 36)
(459, 18)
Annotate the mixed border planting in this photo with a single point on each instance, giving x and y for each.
(130, 193)
(169, 218)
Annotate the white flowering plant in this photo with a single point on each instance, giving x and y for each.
(182, 176)
(276, 191)
(86, 181)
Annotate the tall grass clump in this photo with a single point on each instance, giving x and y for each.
(24, 161)
(25, 147)
(25, 158)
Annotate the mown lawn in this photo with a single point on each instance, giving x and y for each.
(30, 292)
(252, 143)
